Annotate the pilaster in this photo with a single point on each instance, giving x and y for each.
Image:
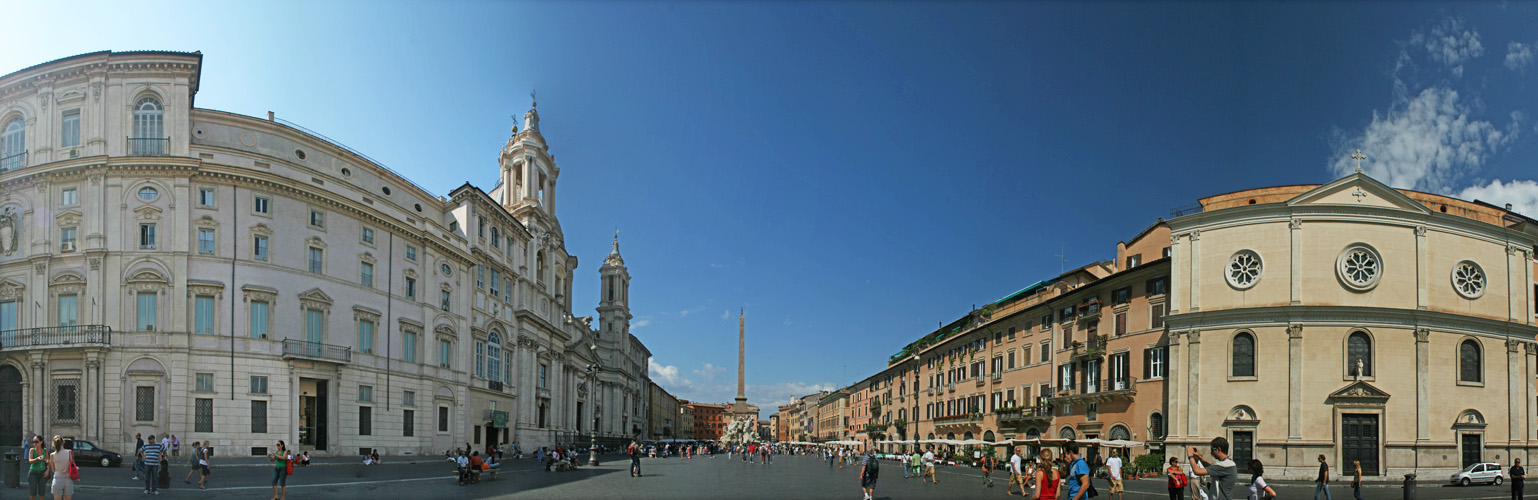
(1422, 271)
(1297, 267)
(1173, 415)
(1195, 285)
(1422, 384)
(1515, 406)
(1177, 276)
(1295, 377)
(1193, 384)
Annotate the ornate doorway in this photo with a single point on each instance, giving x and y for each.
(10, 405)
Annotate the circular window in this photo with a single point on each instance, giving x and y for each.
(418, 206)
(299, 153)
(1359, 267)
(386, 190)
(197, 132)
(147, 193)
(346, 172)
(1469, 279)
(1243, 270)
(447, 271)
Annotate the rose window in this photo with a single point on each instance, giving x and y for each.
(1360, 267)
(1469, 279)
(1243, 269)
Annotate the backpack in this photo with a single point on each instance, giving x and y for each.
(1178, 481)
(874, 468)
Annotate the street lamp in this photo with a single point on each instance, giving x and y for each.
(592, 432)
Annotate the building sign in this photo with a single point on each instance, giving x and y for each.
(499, 419)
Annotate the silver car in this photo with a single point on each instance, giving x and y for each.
(1485, 472)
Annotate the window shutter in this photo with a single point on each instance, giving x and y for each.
(1147, 363)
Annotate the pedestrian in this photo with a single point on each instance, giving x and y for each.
(138, 462)
(1356, 480)
(279, 458)
(176, 447)
(201, 455)
(1078, 473)
(1046, 478)
(929, 467)
(59, 463)
(1517, 475)
(634, 452)
(151, 453)
(192, 463)
(904, 460)
(1223, 472)
(1258, 488)
(1113, 466)
(1323, 481)
(1015, 476)
(870, 470)
(987, 464)
(37, 468)
(1177, 479)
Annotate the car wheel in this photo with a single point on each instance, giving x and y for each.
(1497, 480)
(1464, 482)
(106, 462)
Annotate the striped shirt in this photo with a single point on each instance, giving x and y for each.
(151, 453)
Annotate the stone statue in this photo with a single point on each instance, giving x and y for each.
(1359, 369)
(741, 430)
(8, 232)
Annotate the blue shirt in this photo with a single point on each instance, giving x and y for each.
(151, 454)
(1075, 470)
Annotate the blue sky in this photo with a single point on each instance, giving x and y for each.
(856, 173)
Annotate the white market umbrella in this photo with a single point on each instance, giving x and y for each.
(1122, 443)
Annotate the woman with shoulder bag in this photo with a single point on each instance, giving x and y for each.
(62, 463)
(1177, 479)
(1259, 490)
(1356, 481)
(1046, 478)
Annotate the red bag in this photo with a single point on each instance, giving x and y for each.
(74, 472)
(290, 462)
(1178, 480)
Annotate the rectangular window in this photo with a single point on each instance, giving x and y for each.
(507, 284)
(544, 369)
(445, 298)
(317, 218)
(70, 129)
(146, 236)
(1011, 364)
(1134, 260)
(203, 418)
(314, 326)
(1157, 321)
(1157, 286)
(1011, 337)
(366, 274)
(998, 338)
(7, 315)
(258, 417)
(480, 359)
(1121, 323)
(146, 311)
(1121, 295)
(69, 312)
(258, 384)
(206, 197)
(67, 239)
(496, 279)
(261, 204)
(408, 423)
(205, 241)
(1046, 352)
(203, 315)
(69, 196)
(478, 432)
(205, 382)
(411, 288)
(480, 276)
(259, 248)
(365, 421)
(1153, 361)
(446, 354)
(259, 320)
(411, 252)
(317, 260)
(1046, 322)
(409, 350)
(66, 403)
(365, 336)
(443, 419)
(368, 236)
(409, 398)
(144, 404)
(365, 393)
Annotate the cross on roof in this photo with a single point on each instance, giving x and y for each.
(1358, 156)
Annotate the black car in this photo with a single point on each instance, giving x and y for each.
(87, 453)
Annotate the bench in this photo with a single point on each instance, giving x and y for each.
(476, 476)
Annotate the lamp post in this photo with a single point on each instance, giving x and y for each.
(592, 432)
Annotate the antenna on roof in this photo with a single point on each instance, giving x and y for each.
(1062, 265)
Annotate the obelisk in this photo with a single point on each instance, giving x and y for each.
(742, 399)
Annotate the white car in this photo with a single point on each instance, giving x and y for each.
(1484, 472)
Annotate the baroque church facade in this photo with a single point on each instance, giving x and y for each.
(242, 280)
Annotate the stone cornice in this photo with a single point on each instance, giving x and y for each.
(1348, 316)
(1364, 214)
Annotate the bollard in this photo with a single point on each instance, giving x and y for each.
(12, 470)
(1409, 487)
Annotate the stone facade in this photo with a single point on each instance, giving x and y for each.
(261, 282)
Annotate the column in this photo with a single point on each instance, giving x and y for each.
(1172, 414)
(1514, 392)
(1421, 268)
(1297, 269)
(1176, 277)
(1422, 384)
(40, 399)
(90, 391)
(1193, 388)
(1512, 292)
(1194, 287)
(1295, 374)
(1531, 392)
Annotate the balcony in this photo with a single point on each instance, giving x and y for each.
(952, 387)
(998, 376)
(1094, 348)
(931, 390)
(981, 380)
(1090, 310)
(1096, 391)
(1025, 415)
(56, 336)
(957, 421)
(147, 146)
(294, 348)
(13, 162)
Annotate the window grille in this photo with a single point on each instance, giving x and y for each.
(203, 418)
(66, 407)
(144, 404)
(258, 417)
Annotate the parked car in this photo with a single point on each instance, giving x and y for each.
(87, 453)
(1484, 472)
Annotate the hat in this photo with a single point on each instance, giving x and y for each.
(152, 436)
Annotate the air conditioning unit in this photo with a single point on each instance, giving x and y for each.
(74, 152)
(68, 246)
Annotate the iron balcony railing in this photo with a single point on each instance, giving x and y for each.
(55, 336)
(13, 162)
(1108, 386)
(316, 350)
(1023, 414)
(148, 146)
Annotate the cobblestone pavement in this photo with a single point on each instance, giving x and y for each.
(670, 478)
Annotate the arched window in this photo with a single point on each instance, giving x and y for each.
(988, 436)
(1032, 433)
(1156, 426)
(13, 143)
(1244, 355)
(539, 267)
(1470, 369)
(1120, 432)
(1066, 433)
(1359, 348)
(967, 436)
(494, 357)
(931, 435)
(148, 128)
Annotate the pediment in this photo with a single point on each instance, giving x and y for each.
(1358, 190)
(147, 213)
(68, 218)
(1358, 393)
(315, 295)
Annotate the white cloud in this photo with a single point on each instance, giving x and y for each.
(718, 266)
(686, 312)
(1427, 144)
(709, 372)
(767, 397)
(1518, 55)
(641, 322)
(727, 314)
(666, 374)
(1450, 43)
(1521, 194)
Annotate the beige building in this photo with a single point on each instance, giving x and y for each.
(1353, 320)
(665, 414)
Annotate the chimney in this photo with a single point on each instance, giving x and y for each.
(271, 116)
(1508, 207)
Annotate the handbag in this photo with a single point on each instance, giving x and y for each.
(74, 472)
(290, 466)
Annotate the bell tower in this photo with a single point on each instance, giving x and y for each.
(614, 295)
(528, 171)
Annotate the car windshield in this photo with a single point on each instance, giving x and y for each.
(82, 445)
(1471, 467)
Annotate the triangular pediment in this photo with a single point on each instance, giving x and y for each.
(1358, 392)
(1358, 190)
(315, 295)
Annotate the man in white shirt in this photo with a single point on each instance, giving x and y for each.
(1114, 465)
(929, 467)
(1016, 476)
